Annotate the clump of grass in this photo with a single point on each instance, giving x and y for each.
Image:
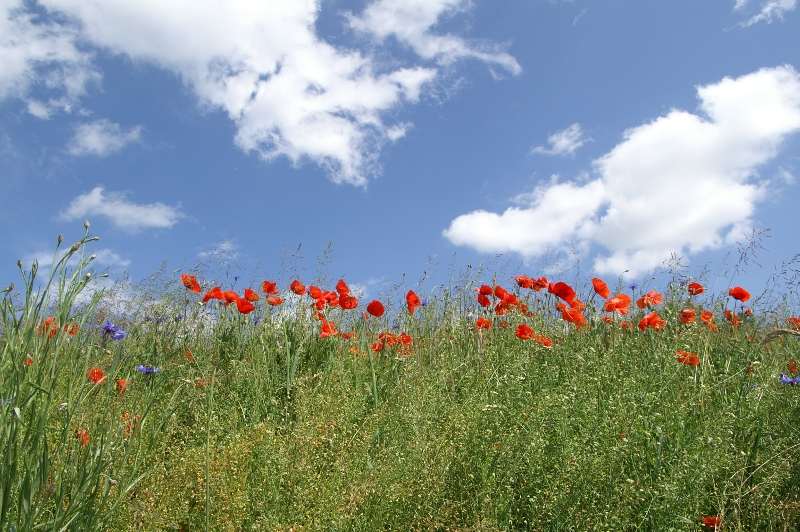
(254, 422)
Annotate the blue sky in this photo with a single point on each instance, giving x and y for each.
(543, 136)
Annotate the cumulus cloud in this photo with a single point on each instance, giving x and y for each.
(101, 137)
(770, 10)
(288, 92)
(121, 212)
(684, 183)
(564, 142)
(411, 22)
(42, 62)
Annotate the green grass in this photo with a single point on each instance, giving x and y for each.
(605, 431)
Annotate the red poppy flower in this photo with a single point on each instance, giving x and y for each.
(695, 289)
(320, 303)
(687, 316)
(269, 287)
(244, 306)
(523, 281)
(794, 322)
(562, 290)
(376, 308)
(540, 283)
(229, 296)
(485, 290)
(501, 292)
(342, 288)
(706, 316)
(748, 311)
(250, 295)
(315, 292)
(190, 282)
(577, 304)
(620, 304)
(650, 299)
(96, 375)
(274, 301)
(601, 288)
(327, 329)
(687, 358)
(48, 327)
(214, 293)
(412, 301)
(297, 287)
(28, 362)
(121, 386)
(188, 355)
(483, 323)
(652, 321)
(405, 339)
(791, 366)
(83, 437)
(348, 302)
(524, 332)
(572, 315)
(543, 340)
(737, 292)
(733, 318)
(711, 521)
(72, 329)
(501, 309)
(377, 346)
(483, 300)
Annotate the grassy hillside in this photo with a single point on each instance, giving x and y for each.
(191, 416)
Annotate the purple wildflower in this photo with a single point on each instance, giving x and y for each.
(147, 370)
(115, 332)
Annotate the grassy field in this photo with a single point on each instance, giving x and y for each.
(192, 416)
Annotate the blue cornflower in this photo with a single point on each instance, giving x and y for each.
(633, 287)
(113, 331)
(785, 379)
(147, 370)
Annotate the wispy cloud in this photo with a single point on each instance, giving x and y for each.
(224, 250)
(121, 212)
(682, 183)
(564, 142)
(101, 137)
(411, 22)
(770, 11)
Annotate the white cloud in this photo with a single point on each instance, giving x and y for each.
(564, 142)
(41, 57)
(288, 92)
(411, 22)
(770, 11)
(224, 250)
(121, 212)
(683, 183)
(101, 137)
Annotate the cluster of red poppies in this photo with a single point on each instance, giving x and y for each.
(49, 327)
(341, 297)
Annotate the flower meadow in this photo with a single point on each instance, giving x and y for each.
(524, 403)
